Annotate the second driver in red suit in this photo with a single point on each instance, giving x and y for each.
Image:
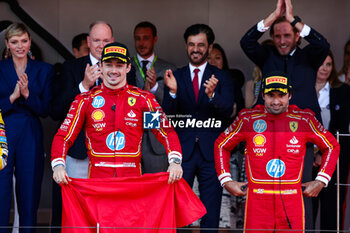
(275, 135)
(111, 115)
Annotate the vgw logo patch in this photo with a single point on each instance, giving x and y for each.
(151, 120)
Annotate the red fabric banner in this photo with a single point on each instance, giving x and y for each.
(129, 204)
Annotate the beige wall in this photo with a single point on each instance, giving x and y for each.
(230, 19)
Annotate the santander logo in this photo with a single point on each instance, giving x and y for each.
(131, 114)
(294, 140)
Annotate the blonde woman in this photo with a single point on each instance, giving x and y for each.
(24, 98)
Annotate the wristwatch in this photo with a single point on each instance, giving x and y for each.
(295, 21)
(175, 160)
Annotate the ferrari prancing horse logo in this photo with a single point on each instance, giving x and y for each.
(131, 101)
(293, 125)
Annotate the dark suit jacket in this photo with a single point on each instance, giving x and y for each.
(67, 87)
(220, 108)
(301, 67)
(160, 66)
(154, 157)
(340, 117)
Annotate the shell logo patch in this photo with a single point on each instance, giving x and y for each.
(293, 125)
(131, 101)
(259, 140)
(98, 115)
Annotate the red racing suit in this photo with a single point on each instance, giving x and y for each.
(3, 144)
(113, 125)
(275, 150)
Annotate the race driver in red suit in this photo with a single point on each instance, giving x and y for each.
(275, 135)
(112, 116)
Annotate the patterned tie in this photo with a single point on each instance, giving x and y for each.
(195, 84)
(144, 67)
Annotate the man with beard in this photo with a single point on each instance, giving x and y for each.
(300, 65)
(200, 96)
(276, 135)
(149, 76)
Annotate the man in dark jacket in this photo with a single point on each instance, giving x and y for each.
(200, 97)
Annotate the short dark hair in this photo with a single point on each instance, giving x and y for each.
(78, 40)
(146, 24)
(280, 19)
(195, 29)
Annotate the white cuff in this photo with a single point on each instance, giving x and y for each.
(305, 31)
(224, 177)
(154, 89)
(172, 95)
(81, 88)
(174, 154)
(223, 181)
(58, 161)
(212, 97)
(323, 177)
(261, 27)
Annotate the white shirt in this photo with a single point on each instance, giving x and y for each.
(323, 101)
(150, 61)
(200, 73)
(323, 98)
(93, 59)
(304, 32)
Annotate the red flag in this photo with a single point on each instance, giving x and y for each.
(146, 204)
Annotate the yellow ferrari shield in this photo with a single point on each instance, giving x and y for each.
(131, 101)
(293, 125)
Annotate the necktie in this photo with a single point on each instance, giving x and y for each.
(195, 84)
(144, 67)
(99, 80)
